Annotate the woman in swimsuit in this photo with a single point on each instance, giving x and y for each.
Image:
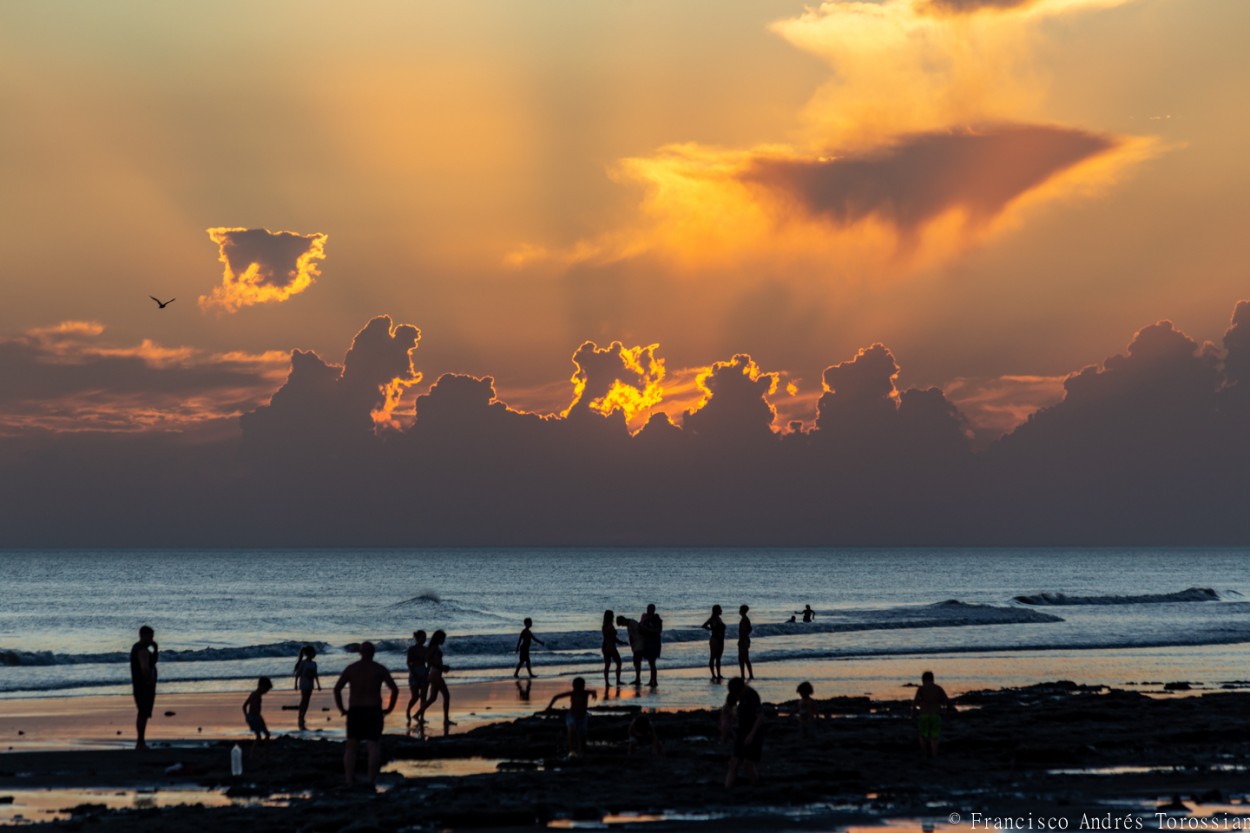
(610, 641)
(305, 678)
(716, 643)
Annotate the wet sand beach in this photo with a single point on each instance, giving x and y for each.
(1047, 750)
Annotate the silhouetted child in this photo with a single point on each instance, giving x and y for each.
(578, 717)
(523, 648)
(252, 712)
(306, 677)
(642, 732)
(807, 707)
(930, 700)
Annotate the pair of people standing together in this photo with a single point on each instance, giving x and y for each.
(645, 642)
(716, 643)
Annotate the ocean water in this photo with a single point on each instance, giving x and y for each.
(67, 619)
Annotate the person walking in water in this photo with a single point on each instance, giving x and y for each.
(610, 653)
(305, 678)
(143, 656)
(744, 644)
(418, 674)
(365, 714)
(652, 627)
(808, 613)
(715, 643)
(634, 632)
(930, 700)
(438, 685)
(523, 648)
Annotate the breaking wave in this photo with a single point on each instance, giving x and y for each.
(1193, 594)
(290, 648)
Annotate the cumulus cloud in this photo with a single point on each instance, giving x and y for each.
(73, 377)
(332, 407)
(262, 266)
(617, 378)
(1147, 446)
(735, 404)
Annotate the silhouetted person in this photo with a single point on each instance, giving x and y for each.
(306, 677)
(579, 715)
(523, 648)
(807, 707)
(642, 733)
(748, 734)
(610, 653)
(652, 627)
(252, 713)
(143, 656)
(438, 685)
(744, 644)
(364, 711)
(715, 643)
(634, 632)
(808, 613)
(418, 674)
(930, 701)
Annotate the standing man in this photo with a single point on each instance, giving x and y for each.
(364, 710)
(652, 627)
(143, 656)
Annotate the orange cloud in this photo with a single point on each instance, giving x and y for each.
(931, 135)
(617, 378)
(262, 266)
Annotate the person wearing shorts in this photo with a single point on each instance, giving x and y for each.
(364, 711)
(930, 700)
(577, 720)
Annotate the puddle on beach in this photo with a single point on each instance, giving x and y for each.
(40, 805)
(1149, 770)
(445, 767)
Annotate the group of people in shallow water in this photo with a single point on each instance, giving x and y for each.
(742, 717)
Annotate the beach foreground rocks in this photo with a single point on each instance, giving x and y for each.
(1056, 748)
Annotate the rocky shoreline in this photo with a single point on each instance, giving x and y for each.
(1057, 749)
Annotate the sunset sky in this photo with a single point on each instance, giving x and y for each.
(1000, 191)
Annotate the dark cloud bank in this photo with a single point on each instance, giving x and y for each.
(1150, 447)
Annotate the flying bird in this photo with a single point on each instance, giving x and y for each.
(160, 303)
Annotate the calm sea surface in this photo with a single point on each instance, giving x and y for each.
(67, 619)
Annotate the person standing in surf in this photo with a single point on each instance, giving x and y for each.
(306, 677)
(634, 632)
(652, 627)
(143, 656)
(610, 653)
(744, 644)
(715, 643)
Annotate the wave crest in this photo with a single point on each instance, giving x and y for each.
(1192, 594)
